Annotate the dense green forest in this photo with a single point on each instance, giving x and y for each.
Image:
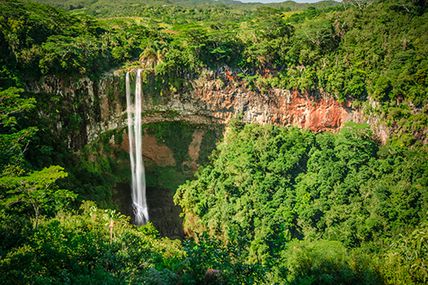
(323, 209)
(363, 54)
(272, 205)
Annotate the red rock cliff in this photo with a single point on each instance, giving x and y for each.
(279, 107)
(213, 99)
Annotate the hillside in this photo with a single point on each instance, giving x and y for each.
(322, 53)
(282, 143)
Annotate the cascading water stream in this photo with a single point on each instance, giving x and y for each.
(131, 139)
(139, 202)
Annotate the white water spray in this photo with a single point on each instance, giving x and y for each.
(139, 202)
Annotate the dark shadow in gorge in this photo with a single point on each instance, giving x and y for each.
(164, 214)
(123, 199)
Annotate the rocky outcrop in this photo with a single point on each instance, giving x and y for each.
(180, 129)
(101, 105)
(277, 106)
(194, 150)
(79, 109)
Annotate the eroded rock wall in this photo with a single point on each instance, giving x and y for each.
(101, 105)
(180, 131)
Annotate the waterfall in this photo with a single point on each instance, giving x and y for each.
(139, 203)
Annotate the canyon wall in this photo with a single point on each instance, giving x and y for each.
(180, 130)
(101, 105)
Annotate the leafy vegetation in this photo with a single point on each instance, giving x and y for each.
(89, 246)
(268, 186)
(273, 205)
(363, 53)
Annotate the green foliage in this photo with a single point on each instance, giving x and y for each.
(351, 51)
(210, 262)
(36, 191)
(165, 177)
(92, 246)
(77, 55)
(41, 40)
(14, 139)
(210, 139)
(325, 262)
(12, 105)
(26, 200)
(266, 186)
(248, 171)
(358, 209)
(405, 258)
(98, 168)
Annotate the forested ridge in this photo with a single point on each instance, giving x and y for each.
(364, 54)
(273, 205)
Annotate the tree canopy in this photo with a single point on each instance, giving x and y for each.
(273, 205)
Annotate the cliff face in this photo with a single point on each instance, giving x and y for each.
(179, 131)
(276, 106)
(100, 106)
(80, 109)
(86, 109)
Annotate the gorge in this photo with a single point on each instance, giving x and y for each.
(180, 130)
(197, 116)
(213, 142)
